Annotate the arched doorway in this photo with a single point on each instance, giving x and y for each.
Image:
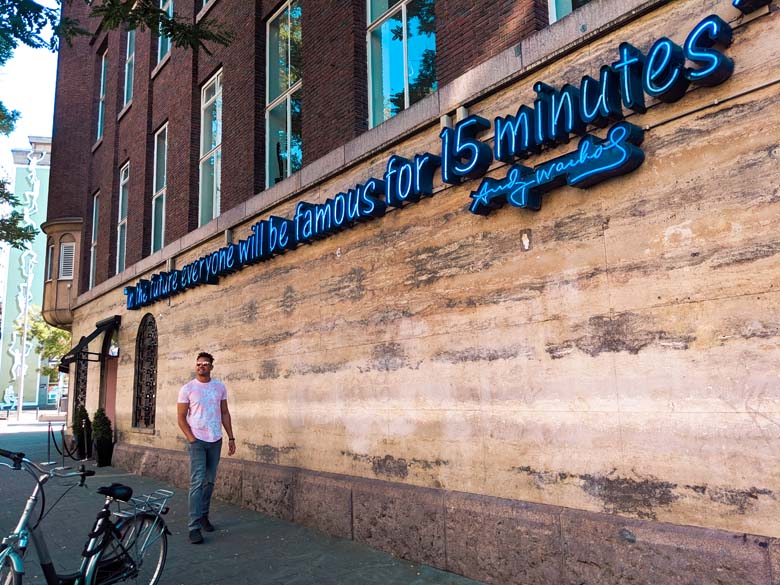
(109, 361)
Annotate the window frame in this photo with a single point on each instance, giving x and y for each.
(145, 374)
(101, 120)
(49, 273)
(371, 26)
(124, 192)
(62, 274)
(215, 151)
(159, 192)
(129, 69)
(94, 240)
(552, 10)
(283, 97)
(167, 7)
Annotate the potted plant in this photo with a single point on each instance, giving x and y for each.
(103, 437)
(82, 432)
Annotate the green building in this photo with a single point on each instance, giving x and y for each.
(26, 270)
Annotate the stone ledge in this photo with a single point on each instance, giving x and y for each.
(774, 560)
(405, 521)
(268, 489)
(503, 541)
(324, 503)
(482, 537)
(600, 548)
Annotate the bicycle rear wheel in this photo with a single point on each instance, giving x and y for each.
(7, 574)
(146, 539)
(141, 557)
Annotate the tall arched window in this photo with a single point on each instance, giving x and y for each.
(145, 373)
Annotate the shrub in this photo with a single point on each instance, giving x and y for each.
(101, 426)
(80, 416)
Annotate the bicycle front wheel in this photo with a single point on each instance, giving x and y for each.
(7, 574)
(137, 553)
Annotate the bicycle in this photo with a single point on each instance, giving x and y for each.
(127, 544)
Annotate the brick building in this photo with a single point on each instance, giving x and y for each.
(493, 286)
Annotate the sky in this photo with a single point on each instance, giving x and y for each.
(27, 85)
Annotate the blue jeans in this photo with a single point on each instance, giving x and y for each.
(204, 459)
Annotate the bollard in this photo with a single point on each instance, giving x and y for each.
(62, 442)
(48, 448)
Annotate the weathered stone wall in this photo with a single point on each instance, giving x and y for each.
(615, 352)
(491, 539)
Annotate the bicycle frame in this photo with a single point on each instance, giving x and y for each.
(17, 542)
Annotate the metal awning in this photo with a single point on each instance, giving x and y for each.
(104, 326)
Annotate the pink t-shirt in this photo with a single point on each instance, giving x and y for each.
(204, 415)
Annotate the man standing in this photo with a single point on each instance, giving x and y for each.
(202, 410)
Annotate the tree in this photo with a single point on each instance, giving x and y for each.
(11, 229)
(53, 343)
(37, 25)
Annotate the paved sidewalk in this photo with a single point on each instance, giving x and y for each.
(28, 424)
(247, 548)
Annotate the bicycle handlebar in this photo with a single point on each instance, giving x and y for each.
(19, 458)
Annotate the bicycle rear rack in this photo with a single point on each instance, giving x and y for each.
(154, 503)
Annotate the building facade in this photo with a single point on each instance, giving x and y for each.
(492, 286)
(20, 361)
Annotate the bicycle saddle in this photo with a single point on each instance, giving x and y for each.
(116, 491)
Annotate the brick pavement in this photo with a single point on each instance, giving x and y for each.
(247, 548)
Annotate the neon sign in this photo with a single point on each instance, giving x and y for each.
(594, 161)
(556, 115)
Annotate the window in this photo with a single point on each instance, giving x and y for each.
(401, 55)
(283, 146)
(121, 228)
(164, 42)
(129, 66)
(210, 149)
(102, 97)
(50, 262)
(67, 256)
(93, 241)
(158, 199)
(145, 373)
(560, 8)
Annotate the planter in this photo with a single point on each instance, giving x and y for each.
(104, 451)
